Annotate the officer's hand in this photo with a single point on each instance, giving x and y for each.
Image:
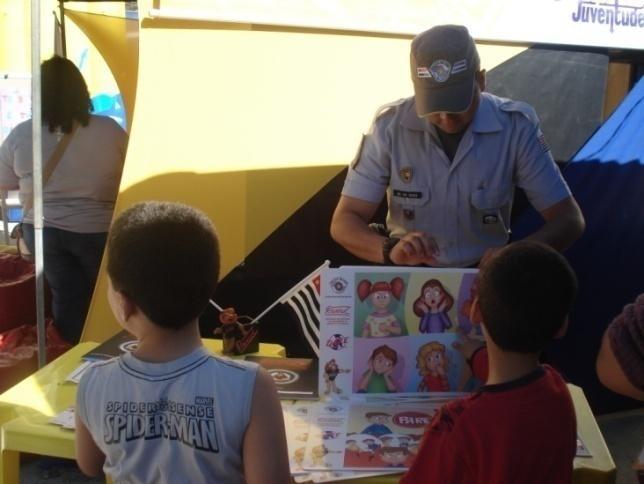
(415, 248)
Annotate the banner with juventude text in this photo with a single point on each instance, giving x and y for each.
(600, 23)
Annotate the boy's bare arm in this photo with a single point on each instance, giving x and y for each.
(89, 457)
(265, 454)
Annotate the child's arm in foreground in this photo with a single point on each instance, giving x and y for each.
(265, 454)
(89, 457)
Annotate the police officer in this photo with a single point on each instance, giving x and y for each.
(449, 160)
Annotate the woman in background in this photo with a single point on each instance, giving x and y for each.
(620, 362)
(78, 198)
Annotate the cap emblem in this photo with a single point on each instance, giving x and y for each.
(440, 70)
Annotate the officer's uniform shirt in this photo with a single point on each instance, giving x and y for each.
(464, 204)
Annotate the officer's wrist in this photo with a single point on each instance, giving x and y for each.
(387, 246)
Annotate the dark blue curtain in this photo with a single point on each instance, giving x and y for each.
(607, 178)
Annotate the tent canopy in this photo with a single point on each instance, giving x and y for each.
(621, 138)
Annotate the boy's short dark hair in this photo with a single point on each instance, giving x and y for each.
(165, 257)
(525, 292)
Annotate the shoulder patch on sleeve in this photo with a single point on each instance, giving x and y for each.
(520, 107)
(543, 143)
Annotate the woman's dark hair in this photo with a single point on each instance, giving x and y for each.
(65, 97)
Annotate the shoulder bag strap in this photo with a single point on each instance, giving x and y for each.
(51, 164)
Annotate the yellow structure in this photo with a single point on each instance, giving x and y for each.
(247, 122)
(15, 40)
(244, 121)
(116, 39)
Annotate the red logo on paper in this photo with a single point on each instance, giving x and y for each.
(411, 420)
(337, 310)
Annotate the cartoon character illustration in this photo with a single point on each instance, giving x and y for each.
(319, 452)
(352, 446)
(432, 306)
(377, 421)
(471, 313)
(404, 440)
(236, 337)
(394, 456)
(387, 440)
(331, 372)
(373, 445)
(414, 444)
(298, 457)
(378, 377)
(337, 342)
(432, 365)
(330, 434)
(381, 322)
(304, 436)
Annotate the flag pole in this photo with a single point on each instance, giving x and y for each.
(288, 293)
(216, 306)
(36, 127)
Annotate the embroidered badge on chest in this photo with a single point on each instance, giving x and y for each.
(406, 173)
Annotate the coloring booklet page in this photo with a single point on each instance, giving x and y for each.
(297, 420)
(391, 331)
(297, 417)
(367, 436)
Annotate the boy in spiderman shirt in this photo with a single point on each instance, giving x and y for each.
(520, 426)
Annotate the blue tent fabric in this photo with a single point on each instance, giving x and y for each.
(606, 177)
(621, 138)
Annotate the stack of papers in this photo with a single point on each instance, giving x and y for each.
(344, 439)
(76, 375)
(65, 419)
